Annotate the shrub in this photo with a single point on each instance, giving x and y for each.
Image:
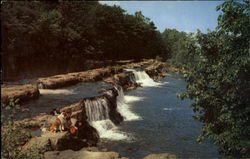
(14, 135)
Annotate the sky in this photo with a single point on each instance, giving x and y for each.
(185, 16)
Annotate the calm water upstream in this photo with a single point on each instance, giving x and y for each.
(166, 124)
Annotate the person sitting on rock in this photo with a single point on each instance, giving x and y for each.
(70, 122)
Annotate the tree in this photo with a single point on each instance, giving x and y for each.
(219, 83)
(54, 36)
(177, 44)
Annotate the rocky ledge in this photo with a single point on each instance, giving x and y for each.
(157, 70)
(93, 75)
(113, 74)
(94, 153)
(160, 156)
(21, 92)
(82, 154)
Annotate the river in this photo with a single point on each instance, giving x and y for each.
(164, 124)
(155, 120)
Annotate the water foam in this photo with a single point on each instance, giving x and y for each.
(131, 99)
(143, 78)
(108, 130)
(167, 109)
(56, 91)
(97, 111)
(124, 108)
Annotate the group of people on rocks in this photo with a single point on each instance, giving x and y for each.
(63, 122)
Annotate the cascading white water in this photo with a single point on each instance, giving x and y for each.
(107, 129)
(123, 107)
(143, 78)
(56, 91)
(97, 111)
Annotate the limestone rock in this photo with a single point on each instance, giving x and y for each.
(160, 156)
(82, 154)
(38, 142)
(38, 121)
(157, 70)
(22, 92)
(124, 80)
(56, 141)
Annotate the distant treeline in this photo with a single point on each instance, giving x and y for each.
(46, 35)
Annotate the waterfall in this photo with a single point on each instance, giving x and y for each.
(56, 91)
(97, 111)
(143, 78)
(123, 107)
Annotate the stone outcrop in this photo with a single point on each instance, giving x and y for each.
(21, 92)
(82, 154)
(38, 121)
(125, 79)
(85, 136)
(160, 156)
(56, 141)
(38, 143)
(93, 75)
(64, 80)
(157, 70)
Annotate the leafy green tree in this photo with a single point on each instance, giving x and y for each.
(219, 82)
(177, 44)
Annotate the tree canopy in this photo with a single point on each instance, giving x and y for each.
(61, 34)
(219, 81)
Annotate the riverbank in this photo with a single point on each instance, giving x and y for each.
(87, 135)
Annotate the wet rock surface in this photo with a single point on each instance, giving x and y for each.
(125, 79)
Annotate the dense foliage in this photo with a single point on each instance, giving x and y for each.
(47, 35)
(14, 135)
(219, 81)
(180, 47)
(175, 42)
